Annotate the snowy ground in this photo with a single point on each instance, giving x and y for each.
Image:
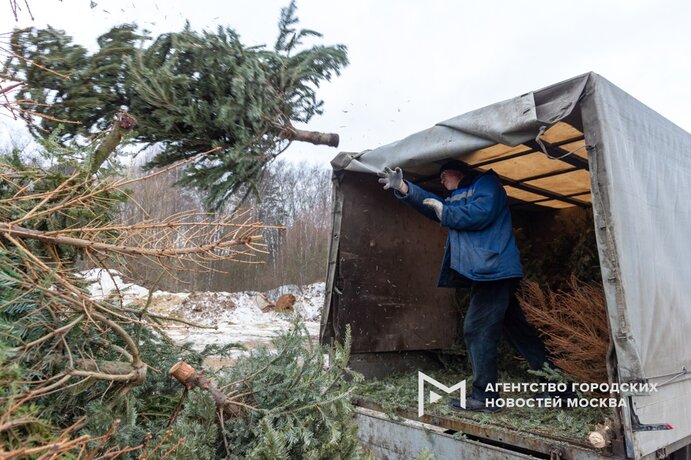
(228, 317)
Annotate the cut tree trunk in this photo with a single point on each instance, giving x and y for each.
(313, 137)
(124, 123)
(191, 378)
(601, 437)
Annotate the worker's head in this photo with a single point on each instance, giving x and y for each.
(451, 174)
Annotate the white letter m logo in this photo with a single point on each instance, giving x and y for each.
(434, 397)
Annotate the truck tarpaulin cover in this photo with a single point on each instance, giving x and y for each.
(640, 179)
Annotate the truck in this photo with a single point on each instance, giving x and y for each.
(579, 147)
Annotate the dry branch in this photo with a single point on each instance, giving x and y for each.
(194, 237)
(85, 447)
(574, 324)
(7, 229)
(115, 371)
(10, 88)
(76, 332)
(182, 241)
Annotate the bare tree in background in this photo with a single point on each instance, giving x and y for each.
(295, 209)
(302, 256)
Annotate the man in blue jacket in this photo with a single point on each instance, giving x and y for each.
(480, 253)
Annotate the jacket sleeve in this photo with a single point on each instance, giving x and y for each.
(414, 199)
(486, 203)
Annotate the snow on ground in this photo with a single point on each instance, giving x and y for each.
(103, 283)
(228, 317)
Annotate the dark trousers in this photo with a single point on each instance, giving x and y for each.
(494, 310)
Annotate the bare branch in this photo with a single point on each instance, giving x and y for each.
(7, 229)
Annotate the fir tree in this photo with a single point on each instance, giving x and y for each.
(191, 91)
(292, 405)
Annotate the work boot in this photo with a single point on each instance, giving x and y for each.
(475, 405)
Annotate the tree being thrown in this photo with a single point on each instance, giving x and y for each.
(187, 90)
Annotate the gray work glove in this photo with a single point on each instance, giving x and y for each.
(435, 205)
(392, 179)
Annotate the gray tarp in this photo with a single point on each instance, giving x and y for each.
(640, 173)
(510, 122)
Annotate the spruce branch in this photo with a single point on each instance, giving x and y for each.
(38, 268)
(189, 91)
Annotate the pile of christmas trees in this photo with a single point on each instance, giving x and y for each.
(88, 378)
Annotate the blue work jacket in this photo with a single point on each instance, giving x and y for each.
(480, 245)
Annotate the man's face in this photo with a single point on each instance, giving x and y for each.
(450, 179)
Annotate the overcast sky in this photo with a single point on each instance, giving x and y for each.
(417, 62)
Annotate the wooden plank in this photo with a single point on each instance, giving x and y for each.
(388, 265)
(543, 192)
(568, 183)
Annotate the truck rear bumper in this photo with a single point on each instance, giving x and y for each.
(406, 439)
